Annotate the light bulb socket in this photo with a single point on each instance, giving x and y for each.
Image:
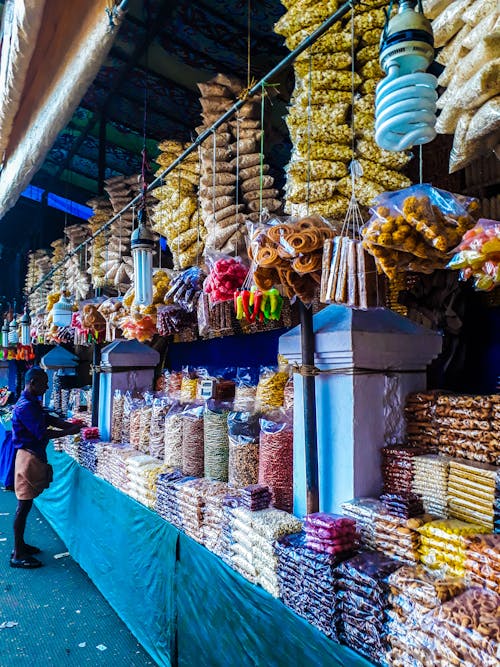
(142, 237)
(25, 319)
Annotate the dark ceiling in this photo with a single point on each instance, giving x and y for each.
(167, 47)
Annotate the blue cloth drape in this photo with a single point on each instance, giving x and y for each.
(184, 605)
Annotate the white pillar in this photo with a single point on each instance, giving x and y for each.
(375, 358)
(126, 365)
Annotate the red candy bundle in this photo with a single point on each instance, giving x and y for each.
(330, 533)
(226, 276)
(90, 433)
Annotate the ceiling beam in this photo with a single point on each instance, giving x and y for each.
(156, 25)
(217, 65)
(130, 141)
(178, 120)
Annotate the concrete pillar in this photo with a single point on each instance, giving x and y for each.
(374, 358)
(126, 365)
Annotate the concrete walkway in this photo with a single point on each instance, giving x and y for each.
(60, 617)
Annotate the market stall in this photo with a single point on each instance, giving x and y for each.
(269, 459)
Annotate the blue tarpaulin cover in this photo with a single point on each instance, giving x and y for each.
(183, 604)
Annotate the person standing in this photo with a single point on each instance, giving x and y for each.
(32, 428)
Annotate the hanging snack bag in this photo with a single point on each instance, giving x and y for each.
(414, 229)
(478, 255)
(227, 274)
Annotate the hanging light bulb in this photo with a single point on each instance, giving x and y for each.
(142, 244)
(5, 333)
(405, 101)
(13, 332)
(25, 328)
(62, 311)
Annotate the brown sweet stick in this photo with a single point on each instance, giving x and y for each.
(327, 260)
(334, 268)
(341, 291)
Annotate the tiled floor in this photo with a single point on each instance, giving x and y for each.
(61, 618)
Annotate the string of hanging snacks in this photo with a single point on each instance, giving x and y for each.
(205, 134)
(349, 273)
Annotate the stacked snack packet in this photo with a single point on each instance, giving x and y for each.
(430, 481)
(414, 591)
(362, 600)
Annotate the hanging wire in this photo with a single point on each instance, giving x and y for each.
(420, 164)
(237, 196)
(249, 42)
(353, 220)
(214, 166)
(119, 253)
(179, 186)
(261, 165)
(198, 213)
(309, 130)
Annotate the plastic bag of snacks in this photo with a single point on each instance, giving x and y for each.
(172, 319)
(246, 389)
(174, 385)
(136, 409)
(189, 385)
(227, 275)
(159, 410)
(451, 530)
(117, 416)
(130, 406)
(145, 423)
(467, 628)
(193, 440)
(173, 436)
(185, 288)
(289, 253)
(243, 432)
(216, 440)
(484, 548)
(276, 458)
(424, 587)
(288, 394)
(478, 255)
(271, 388)
(415, 228)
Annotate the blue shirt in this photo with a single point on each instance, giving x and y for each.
(29, 426)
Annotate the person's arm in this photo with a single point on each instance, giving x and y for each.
(58, 428)
(56, 422)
